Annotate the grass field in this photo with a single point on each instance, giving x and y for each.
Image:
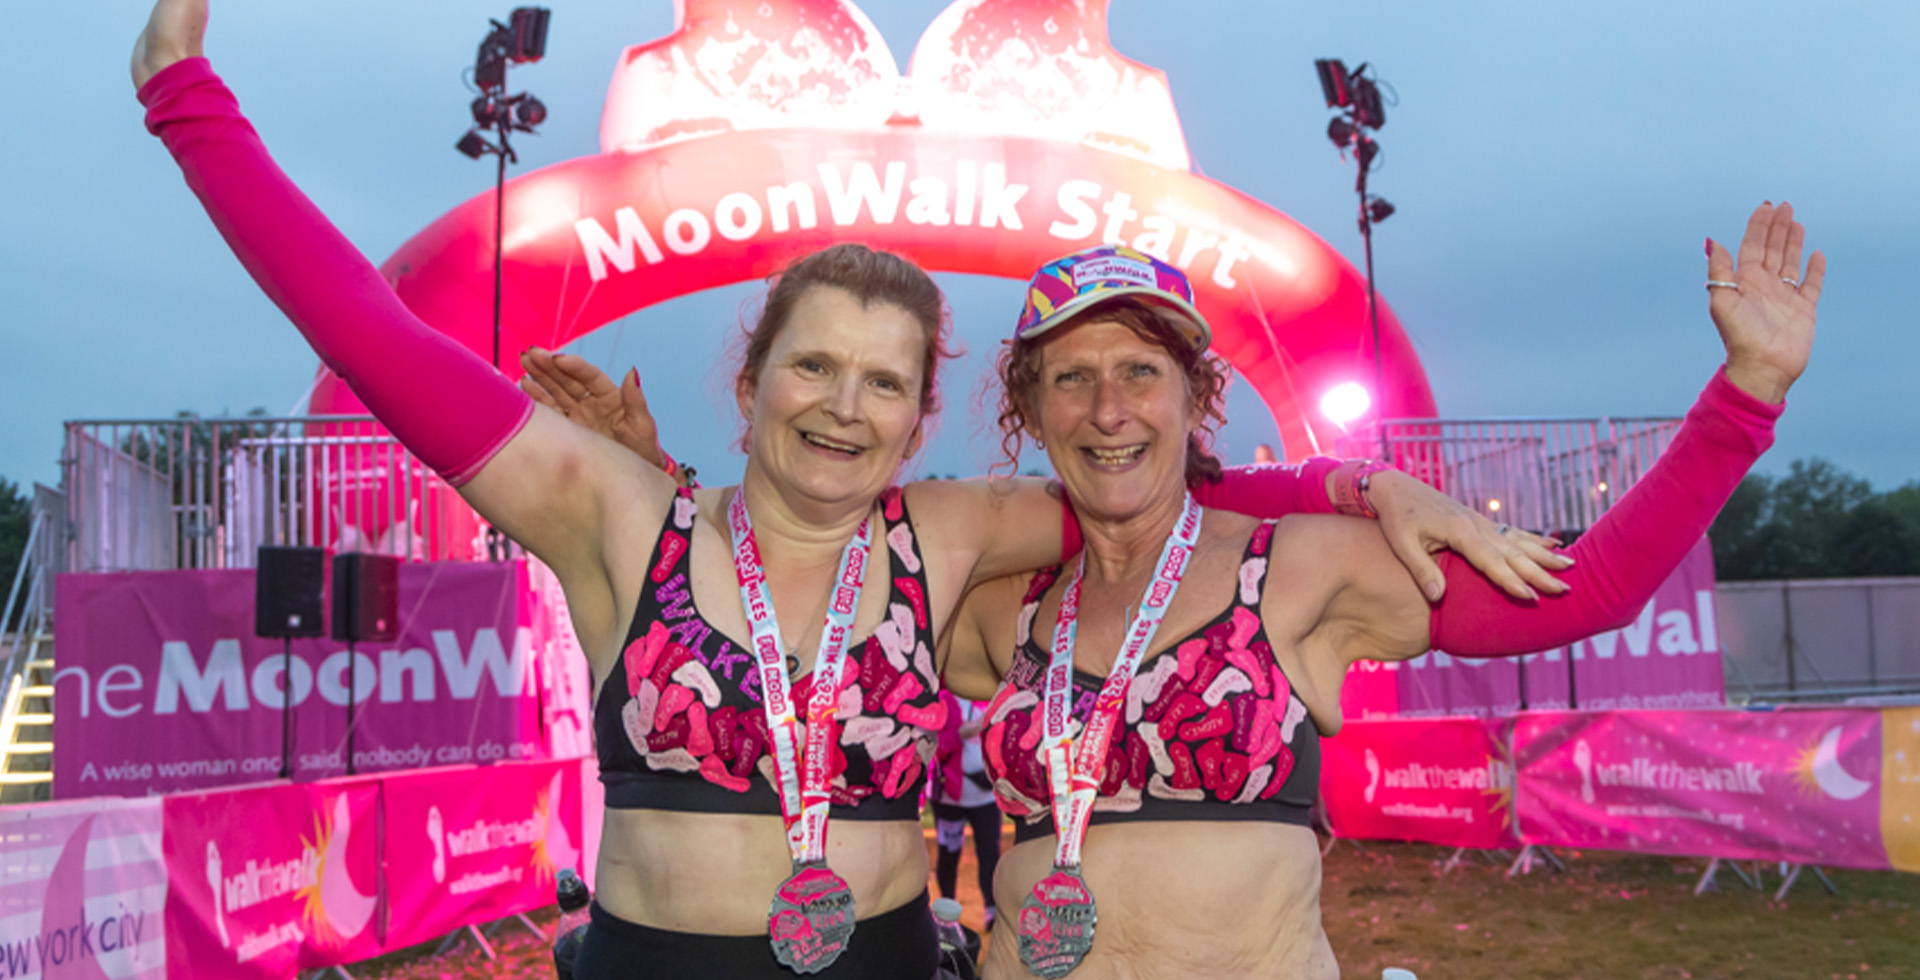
(1608, 916)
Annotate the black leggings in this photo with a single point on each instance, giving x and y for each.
(896, 945)
(985, 821)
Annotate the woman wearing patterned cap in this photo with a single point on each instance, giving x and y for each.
(1158, 702)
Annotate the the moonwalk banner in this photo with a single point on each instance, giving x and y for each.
(84, 891)
(1668, 657)
(1786, 785)
(1437, 780)
(163, 687)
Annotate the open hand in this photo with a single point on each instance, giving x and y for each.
(174, 32)
(1419, 520)
(1767, 323)
(575, 388)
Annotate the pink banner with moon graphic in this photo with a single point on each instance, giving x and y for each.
(84, 893)
(1788, 785)
(1438, 780)
(267, 880)
(454, 855)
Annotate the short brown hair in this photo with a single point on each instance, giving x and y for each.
(869, 276)
(1206, 377)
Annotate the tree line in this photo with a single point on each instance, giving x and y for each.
(1817, 521)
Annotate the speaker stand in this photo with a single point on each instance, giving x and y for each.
(286, 708)
(353, 691)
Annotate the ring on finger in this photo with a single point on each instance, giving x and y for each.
(1723, 284)
(1789, 280)
(1502, 528)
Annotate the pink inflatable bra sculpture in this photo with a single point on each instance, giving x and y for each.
(1038, 68)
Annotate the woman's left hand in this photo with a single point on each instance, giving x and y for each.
(175, 31)
(1766, 315)
(1419, 520)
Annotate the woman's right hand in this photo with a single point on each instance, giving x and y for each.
(174, 32)
(576, 388)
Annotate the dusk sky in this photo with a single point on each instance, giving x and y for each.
(1555, 168)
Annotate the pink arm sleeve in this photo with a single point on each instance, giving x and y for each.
(1625, 556)
(448, 406)
(1271, 489)
(1260, 490)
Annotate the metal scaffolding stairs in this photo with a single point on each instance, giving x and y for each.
(26, 713)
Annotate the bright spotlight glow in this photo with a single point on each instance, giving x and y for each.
(1494, 505)
(1345, 402)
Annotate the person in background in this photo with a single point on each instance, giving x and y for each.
(962, 798)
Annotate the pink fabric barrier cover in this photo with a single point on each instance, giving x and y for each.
(1788, 785)
(266, 880)
(1669, 657)
(1438, 780)
(163, 687)
(83, 895)
(466, 845)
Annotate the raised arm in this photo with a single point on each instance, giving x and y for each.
(539, 479)
(1764, 308)
(1767, 324)
(448, 406)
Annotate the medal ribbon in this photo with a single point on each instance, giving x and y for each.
(1074, 766)
(800, 763)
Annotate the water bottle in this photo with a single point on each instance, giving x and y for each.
(957, 951)
(574, 898)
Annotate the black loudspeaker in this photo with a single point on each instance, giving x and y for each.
(289, 592)
(366, 597)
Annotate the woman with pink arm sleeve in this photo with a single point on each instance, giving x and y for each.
(1157, 703)
(1220, 727)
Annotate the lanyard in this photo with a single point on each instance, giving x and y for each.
(1075, 766)
(800, 763)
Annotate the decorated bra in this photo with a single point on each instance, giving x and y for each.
(1211, 729)
(679, 723)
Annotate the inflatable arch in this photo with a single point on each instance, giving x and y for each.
(763, 129)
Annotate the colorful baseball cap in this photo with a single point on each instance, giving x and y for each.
(1066, 286)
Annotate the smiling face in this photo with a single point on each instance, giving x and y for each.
(1116, 414)
(835, 408)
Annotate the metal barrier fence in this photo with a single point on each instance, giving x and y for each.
(1821, 638)
(1544, 474)
(205, 493)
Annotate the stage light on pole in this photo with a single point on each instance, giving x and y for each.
(520, 41)
(1361, 111)
(1344, 403)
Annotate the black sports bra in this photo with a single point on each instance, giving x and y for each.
(678, 724)
(1211, 728)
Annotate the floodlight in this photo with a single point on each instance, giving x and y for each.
(473, 145)
(1343, 403)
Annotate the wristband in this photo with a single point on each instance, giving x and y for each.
(1350, 484)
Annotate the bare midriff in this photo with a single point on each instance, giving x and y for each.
(715, 873)
(1187, 900)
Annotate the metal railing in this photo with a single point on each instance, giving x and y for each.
(206, 493)
(1544, 474)
(26, 684)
